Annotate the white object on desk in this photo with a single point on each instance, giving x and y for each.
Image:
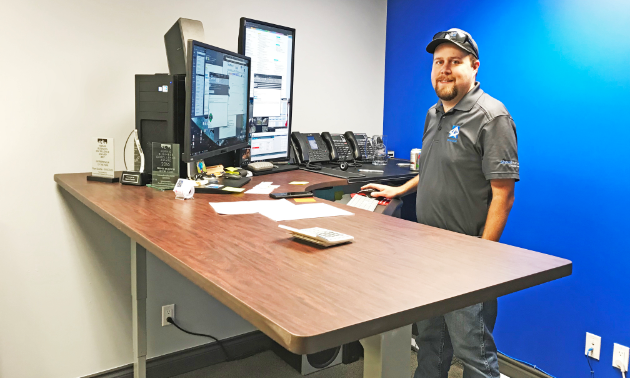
(264, 187)
(313, 210)
(260, 166)
(184, 189)
(250, 207)
(320, 236)
(363, 202)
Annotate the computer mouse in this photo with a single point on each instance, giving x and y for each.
(368, 192)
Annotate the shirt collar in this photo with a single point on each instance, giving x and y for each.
(467, 102)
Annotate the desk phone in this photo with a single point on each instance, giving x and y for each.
(309, 148)
(360, 145)
(338, 146)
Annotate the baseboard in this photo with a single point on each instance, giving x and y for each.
(515, 369)
(186, 360)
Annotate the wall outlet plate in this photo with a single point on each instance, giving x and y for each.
(168, 311)
(621, 354)
(595, 342)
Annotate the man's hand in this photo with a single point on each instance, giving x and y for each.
(393, 191)
(383, 190)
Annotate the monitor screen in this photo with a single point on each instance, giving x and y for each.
(217, 110)
(270, 96)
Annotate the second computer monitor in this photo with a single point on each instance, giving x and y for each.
(271, 49)
(216, 101)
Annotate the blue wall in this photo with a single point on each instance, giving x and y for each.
(562, 68)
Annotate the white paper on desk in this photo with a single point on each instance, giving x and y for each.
(250, 207)
(262, 189)
(314, 210)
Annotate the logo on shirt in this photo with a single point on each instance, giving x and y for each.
(453, 134)
(509, 163)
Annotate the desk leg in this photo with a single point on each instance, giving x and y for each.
(388, 355)
(139, 308)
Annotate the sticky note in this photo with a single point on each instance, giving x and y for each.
(298, 183)
(230, 189)
(305, 200)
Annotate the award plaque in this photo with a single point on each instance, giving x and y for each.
(165, 160)
(103, 160)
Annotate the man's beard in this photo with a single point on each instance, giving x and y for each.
(447, 92)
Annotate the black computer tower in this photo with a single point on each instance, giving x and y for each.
(160, 117)
(160, 113)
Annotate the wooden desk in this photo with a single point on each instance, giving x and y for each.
(304, 297)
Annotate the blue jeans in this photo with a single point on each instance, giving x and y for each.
(468, 334)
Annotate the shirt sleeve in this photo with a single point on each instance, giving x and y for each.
(499, 149)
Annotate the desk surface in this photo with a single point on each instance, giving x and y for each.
(391, 172)
(304, 297)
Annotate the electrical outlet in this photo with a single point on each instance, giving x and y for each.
(620, 356)
(168, 311)
(595, 342)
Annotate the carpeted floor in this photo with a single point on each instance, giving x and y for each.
(268, 365)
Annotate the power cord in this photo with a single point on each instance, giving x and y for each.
(354, 163)
(619, 365)
(526, 363)
(313, 167)
(589, 362)
(227, 356)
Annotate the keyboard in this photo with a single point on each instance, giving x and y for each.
(260, 166)
(363, 202)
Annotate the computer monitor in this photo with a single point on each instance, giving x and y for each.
(217, 88)
(271, 48)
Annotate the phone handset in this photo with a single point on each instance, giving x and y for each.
(334, 154)
(295, 154)
(355, 150)
(301, 155)
(354, 146)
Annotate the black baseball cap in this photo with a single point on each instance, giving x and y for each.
(457, 36)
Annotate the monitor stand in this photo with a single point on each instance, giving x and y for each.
(280, 168)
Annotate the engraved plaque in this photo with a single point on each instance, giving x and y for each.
(165, 162)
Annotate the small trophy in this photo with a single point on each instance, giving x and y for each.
(138, 178)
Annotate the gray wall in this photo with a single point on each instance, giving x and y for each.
(68, 67)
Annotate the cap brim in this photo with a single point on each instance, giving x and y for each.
(434, 44)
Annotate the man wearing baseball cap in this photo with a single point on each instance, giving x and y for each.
(468, 167)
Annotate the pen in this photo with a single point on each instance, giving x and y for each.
(371, 170)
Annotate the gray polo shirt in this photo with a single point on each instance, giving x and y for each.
(462, 150)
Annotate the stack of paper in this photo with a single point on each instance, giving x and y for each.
(249, 207)
(314, 210)
(264, 187)
(278, 210)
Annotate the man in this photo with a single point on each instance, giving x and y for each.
(468, 167)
